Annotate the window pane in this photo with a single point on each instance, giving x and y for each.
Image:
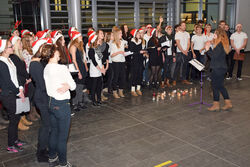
(86, 11)
(105, 15)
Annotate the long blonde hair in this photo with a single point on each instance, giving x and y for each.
(222, 37)
(116, 33)
(17, 51)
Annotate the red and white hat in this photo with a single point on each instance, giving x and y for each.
(72, 29)
(41, 34)
(3, 43)
(56, 38)
(148, 26)
(133, 32)
(92, 39)
(14, 39)
(91, 33)
(54, 33)
(75, 34)
(140, 30)
(152, 31)
(24, 32)
(49, 41)
(37, 44)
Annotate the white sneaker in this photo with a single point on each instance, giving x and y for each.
(228, 78)
(239, 79)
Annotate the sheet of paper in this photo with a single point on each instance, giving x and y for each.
(128, 53)
(198, 65)
(22, 106)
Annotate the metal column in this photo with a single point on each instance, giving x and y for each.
(45, 14)
(200, 10)
(94, 14)
(177, 11)
(116, 13)
(222, 9)
(137, 14)
(153, 14)
(75, 14)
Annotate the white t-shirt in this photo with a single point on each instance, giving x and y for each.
(199, 42)
(184, 37)
(114, 49)
(54, 76)
(210, 37)
(238, 39)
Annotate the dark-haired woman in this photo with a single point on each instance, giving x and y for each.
(10, 90)
(58, 81)
(219, 68)
(41, 98)
(155, 58)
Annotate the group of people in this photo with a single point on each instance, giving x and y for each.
(60, 78)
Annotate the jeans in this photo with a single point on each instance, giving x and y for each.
(181, 65)
(167, 67)
(146, 72)
(9, 103)
(218, 87)
(60, 124)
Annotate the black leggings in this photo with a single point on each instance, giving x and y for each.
(119, 75)
(154, 74)
(96, 88)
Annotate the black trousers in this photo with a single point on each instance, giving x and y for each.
(167, 67)
(229, 60)
(9, 103)
(42, 105)
(181, 65)
(218, 87)
(107, 79)
(96, 88)
(136, 73)
(231, 68)
(119, 75)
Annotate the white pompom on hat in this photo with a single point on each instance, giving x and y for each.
(14, 39)
(3, 43)
(37, 44)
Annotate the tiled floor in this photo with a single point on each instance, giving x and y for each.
(137, 132)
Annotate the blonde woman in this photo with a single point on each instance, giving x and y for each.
(117, 52)
(22, 74)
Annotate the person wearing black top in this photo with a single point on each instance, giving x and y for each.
(136, 63)
(96, 69)
(219, 68)
(10, 89)
(155, 58)
(41, 102)
(167, 43)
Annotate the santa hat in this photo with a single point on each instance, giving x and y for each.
(140, 30)
(148, 26)
(72, 29)
(133, 32)
(47, 31)
(49, 41)
(152, 31)
(41, 34)
(56, 38)
(75, 34)
(92, 39)
(3, 43)
(14, 39)
(54, 33)
(91, 33)
(37, 44)
(24, 32)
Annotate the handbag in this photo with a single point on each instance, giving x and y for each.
(240, 56)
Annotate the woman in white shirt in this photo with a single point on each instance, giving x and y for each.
(58, 81)
(117, 53)
(10, 89)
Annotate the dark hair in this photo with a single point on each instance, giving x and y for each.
(182, 23)
(62, 51)
(125, 35)
(26, 43)
(200, 21)
(155, 39)
(199, 26)
(222, 21)
(176, 26)
(48, 52)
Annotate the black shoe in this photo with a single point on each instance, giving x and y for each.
(42, 156)
(95, 104)
(20, 143)
(82, 106)
(75, 108)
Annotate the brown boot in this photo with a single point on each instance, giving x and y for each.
(25, 121)
(162, 84)
(133, 93)
(139, 92)
(174, 83)
(187, 82)
(32, 115)
(121, 93)
(167, 83)
(215, 107)
(116, 96)
(22, 127)
(104, 98)
(228, 105)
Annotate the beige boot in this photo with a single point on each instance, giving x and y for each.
(139, 92)
(104, 98)
(215, 107)
(167, 83)
(162, 84)
(22, 127)
(228, 105)
(25, 121)
(133, 93)
(116, 96)
(121, 93)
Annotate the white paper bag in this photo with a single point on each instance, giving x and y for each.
(22, 106)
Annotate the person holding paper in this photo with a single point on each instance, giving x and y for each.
(219, 68)
(117, 52)
(58, 81)
(10, 91)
